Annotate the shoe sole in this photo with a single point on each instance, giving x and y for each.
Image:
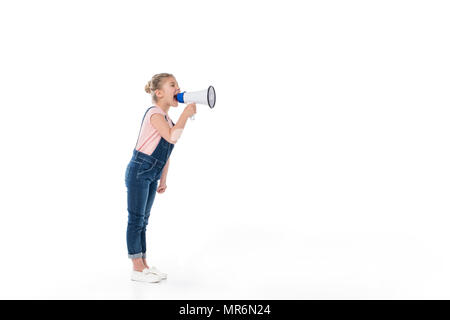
(137, 280)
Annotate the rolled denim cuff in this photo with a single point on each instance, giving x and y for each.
(135, 256)
(144, 256)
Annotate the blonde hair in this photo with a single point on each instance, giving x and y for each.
(156, 83)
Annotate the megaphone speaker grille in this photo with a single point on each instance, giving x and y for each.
(211, 97)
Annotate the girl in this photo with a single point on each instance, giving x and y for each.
(150, 163)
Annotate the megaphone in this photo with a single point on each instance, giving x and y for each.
(207, 97)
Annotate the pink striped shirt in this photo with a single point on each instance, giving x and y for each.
(149, 137)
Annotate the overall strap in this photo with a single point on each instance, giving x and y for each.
(168, 120)
(141, 126)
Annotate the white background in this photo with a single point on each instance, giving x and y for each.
(322, 172)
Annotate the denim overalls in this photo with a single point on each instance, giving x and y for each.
(141, 178)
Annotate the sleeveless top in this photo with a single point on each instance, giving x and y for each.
(149, 137)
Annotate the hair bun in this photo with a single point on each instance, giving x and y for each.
(148, 87)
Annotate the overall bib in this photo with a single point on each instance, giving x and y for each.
(141, 179)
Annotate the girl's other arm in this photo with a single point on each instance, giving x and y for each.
(162, 182)
(164, 173)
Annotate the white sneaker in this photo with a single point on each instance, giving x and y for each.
(144, 276)
(154, 270)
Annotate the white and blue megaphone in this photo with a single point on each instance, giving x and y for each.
(207, 97)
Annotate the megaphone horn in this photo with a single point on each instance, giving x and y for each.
(207, 97)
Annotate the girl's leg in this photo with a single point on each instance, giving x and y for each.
(151, 197)
(138, 264)
(137, 201)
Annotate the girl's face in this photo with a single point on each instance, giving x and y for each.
(168, 92)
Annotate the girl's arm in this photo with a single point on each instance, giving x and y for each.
(172, 134)
(169, 134)
(162, 182)
(164, 173)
